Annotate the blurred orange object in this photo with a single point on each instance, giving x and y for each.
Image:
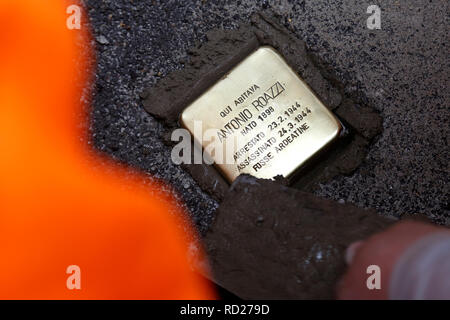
(57, 206)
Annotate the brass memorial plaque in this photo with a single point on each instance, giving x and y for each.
(261, 119)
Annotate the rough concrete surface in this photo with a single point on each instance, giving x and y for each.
(401, 70)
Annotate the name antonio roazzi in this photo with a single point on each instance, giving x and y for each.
(243, 122)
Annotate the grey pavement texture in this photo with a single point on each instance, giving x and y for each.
(401, 70)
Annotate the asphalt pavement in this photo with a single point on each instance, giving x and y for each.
(402, 70)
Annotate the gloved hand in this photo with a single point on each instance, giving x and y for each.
(413, 259)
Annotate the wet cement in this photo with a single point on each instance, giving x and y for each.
(212, 60)
(269, 241)
(400, 70)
